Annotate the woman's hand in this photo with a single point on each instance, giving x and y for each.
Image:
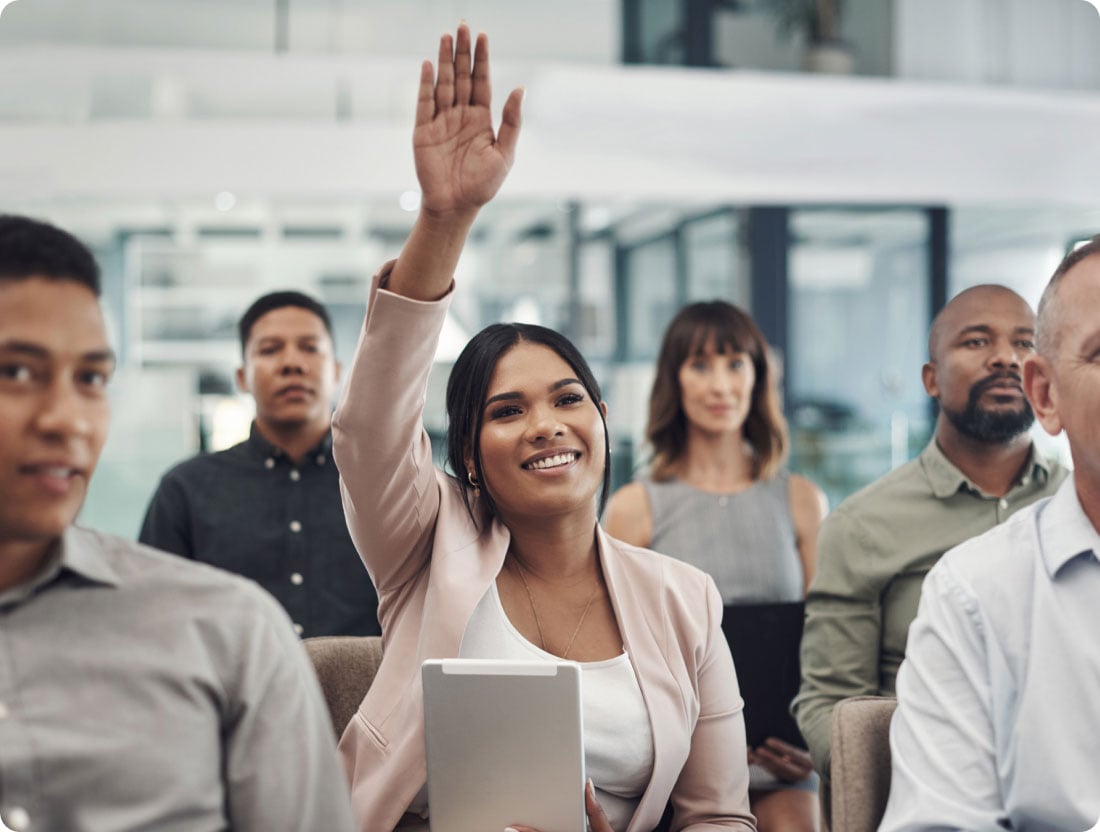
(597, 820)
(787, 762)
(459, 162)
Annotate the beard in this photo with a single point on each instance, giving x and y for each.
(993, 427)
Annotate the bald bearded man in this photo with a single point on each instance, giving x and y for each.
(876, 547)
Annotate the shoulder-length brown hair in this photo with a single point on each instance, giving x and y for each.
(729, 329)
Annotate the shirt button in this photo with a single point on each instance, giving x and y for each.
(16, 819)
(296, 578)
(320, 459)
(295, 475)
(1003, 503)
(295, 526)
(1025, 481)
(269, 463)
(299, 629)
(723, 501)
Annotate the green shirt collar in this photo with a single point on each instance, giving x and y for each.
(946, 480)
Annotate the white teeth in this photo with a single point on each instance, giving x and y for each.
(60, 473)
(552, 461)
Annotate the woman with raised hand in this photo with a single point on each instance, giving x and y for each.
(504, 556)
(718, 497)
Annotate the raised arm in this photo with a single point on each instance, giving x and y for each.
(388, 483)
(460, 163)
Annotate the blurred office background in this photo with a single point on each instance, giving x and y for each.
(838, 167)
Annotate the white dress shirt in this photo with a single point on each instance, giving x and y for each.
(998, 720)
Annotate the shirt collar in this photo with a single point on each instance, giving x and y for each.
(946, 479)
(1064, 530)
(79, 552)
(264, 450)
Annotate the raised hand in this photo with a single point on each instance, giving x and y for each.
(460, 163)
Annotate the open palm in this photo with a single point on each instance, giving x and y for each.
(460, 163)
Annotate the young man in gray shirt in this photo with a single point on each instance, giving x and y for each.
(138, 691)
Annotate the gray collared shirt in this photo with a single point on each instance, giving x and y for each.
(873, 553)
(140, 691)
(998, 720)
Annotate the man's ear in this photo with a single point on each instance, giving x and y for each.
(242, 382)
(339, 369)
(928, 376)
(1041, 388)
(603, 410)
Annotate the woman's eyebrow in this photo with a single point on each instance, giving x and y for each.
(512, 395)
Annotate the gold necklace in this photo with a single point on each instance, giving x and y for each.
(538, 623)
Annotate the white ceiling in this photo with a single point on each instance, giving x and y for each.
(123, 109)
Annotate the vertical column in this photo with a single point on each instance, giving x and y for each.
(768, 243)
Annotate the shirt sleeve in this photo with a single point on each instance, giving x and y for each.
(942, 735)
(281, 766)
(842, 637)
(166, 525)
(712, 791)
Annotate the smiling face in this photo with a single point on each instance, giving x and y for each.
(716, 390)
(54, 366)
(978, 345)
(542, 437)
(290, 370)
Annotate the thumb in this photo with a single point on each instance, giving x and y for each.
(511, 118)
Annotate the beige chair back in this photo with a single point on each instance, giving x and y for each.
(860, 762)
(345, 666)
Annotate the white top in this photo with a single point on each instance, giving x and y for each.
(998, 720)
(618, 741)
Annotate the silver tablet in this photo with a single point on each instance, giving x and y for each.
(504, 745)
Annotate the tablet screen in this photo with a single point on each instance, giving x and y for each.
(504, 743)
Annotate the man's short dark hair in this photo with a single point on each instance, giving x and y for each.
(278, 300)
(30, 248)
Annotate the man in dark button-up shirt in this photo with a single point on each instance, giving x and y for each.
(137, 690)
(269, 508)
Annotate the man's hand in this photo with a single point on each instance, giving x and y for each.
(459, 162)
(787, 762)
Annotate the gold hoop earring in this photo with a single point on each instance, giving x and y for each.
(473, 481)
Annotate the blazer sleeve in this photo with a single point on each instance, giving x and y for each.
(387, 480)
(712, 791)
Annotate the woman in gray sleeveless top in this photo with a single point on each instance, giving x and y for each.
(719, 497)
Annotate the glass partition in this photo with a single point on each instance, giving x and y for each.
(859, 312)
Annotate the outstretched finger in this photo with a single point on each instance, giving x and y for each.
(425, 101)
(511, 118)
(482, 92)
(462, 66)
(445, 84)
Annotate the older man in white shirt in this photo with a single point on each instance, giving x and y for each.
(998, 720)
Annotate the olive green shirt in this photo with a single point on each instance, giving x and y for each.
(872, 555)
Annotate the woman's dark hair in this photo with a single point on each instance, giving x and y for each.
(726, 328)
(468, 387)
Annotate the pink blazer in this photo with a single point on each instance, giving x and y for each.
(432, 565)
